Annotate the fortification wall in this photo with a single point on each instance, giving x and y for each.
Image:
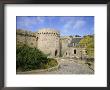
(26, 37)
(49, 42)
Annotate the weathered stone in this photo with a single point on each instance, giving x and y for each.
(49, 41)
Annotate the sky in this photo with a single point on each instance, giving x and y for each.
(67, 25)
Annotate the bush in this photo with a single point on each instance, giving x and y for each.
(89, 61)
(51, 63)
(28, 58)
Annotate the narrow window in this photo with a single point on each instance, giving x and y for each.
(55, 52)
(75, 51)
(37, 39)
(66, 53)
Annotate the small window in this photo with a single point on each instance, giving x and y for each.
(55, 52)
(75, 51)
(66, 53)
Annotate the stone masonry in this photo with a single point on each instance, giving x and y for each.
(51, 43)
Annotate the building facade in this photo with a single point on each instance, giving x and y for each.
(51, 43)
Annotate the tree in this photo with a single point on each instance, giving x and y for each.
(88, 43)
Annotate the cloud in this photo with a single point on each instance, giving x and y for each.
(29, 21)
(79, 24)
(40, 19)
(73, 24)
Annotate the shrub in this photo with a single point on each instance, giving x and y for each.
(28, 58)
(51, 63)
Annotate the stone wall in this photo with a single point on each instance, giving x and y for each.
(49, 42)
(65, 40)
(26, 37)
(75, 52)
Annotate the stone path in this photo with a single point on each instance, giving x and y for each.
(69, 66)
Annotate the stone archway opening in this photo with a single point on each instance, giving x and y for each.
(56, 52)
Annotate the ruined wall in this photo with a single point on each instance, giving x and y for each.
(49, 42)
(75, 52)
(65, 40)
(26, 37)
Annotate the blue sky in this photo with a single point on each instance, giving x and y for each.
(67, 25)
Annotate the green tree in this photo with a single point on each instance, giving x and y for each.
(88, 43)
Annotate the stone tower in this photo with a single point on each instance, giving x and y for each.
(48, 41)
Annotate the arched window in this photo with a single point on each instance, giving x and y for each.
(66, 53)
(75, 51)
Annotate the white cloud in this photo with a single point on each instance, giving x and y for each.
(29, 21)
(40, 19)
(79, 24)
(73, 24)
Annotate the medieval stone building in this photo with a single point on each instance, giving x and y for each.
(51, 43)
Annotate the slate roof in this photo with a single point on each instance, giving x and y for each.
(74, 40)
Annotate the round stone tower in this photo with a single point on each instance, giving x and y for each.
(49, 41)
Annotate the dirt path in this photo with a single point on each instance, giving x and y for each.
(69, 66)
